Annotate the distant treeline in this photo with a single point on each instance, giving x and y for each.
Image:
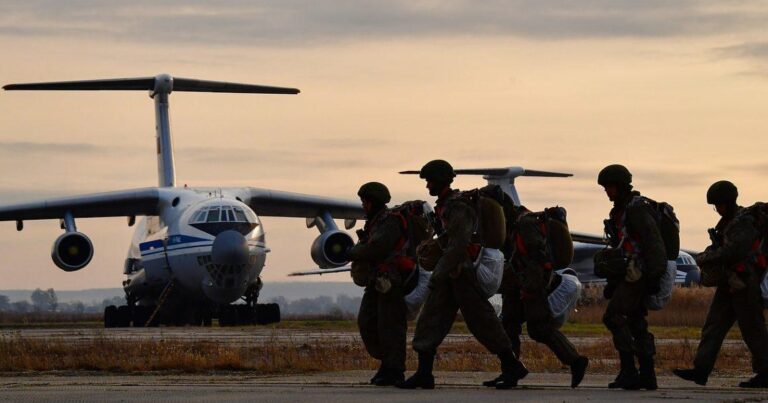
(47, 301)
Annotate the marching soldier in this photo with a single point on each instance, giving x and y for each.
(633, 267)
(377, 266)
(454, 287)
(727, 264)
(525, 292)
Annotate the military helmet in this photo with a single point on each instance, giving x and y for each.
(375, 192)
(614, 175)
(722, 192)
(437, 170)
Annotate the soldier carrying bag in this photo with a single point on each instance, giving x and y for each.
(758, 255)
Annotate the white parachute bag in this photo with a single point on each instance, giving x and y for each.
(659, 300)
(490, 269)
(415, 299)
(562, 300)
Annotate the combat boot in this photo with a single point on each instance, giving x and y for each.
(758, 381)
(390, 377)
(628, 377)
(578, 369)
(693, 374)
(647, 377)
(377, 375)
(423, 377)
(512, 371)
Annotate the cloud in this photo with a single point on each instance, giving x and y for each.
(22, 147)
(311, 22)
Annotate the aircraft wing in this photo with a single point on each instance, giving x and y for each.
(320, 272)
(588, 238)
(122, 203)
(275, 203)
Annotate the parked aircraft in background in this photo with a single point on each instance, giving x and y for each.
(196, 250)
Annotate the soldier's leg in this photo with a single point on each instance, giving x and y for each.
(720, 319)
(392, 328)
(435, 320)
(616, 318)
(512, 317)
(542, 328)
(483, 323)
(749, 315)
(367, 322)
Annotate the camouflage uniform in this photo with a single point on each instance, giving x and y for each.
(454, 287)
(525, 296)
(737, 298)
(625, 315)
(382, 318)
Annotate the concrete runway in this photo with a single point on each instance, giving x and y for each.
(348, 387)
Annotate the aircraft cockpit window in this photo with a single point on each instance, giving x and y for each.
(213, 215)
(230, 215)
(200, 216)
(240, 215)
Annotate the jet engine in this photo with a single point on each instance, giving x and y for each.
(329, 250)
(72, 251)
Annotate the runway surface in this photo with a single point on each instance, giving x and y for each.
(245, 336)
(349, 387)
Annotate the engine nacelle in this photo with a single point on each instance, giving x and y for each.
(72, 251)
(329, 250)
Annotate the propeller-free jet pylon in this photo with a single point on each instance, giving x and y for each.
(195, 250)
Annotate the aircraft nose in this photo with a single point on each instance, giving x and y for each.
(230, 248)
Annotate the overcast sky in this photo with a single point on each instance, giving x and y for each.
(674, 90)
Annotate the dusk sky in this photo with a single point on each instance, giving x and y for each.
(675, 90)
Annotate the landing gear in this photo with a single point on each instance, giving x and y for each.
(246, 314)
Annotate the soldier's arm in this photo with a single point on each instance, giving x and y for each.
(381, 243)
(737, 243)
(459, 224)
(651, 243)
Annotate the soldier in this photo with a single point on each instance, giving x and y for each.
(727, 264)
(377, 265)
(633, 267)
(453, 287)
(525, 295)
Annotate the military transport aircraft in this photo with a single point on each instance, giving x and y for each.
(585, 245)
(195, 251)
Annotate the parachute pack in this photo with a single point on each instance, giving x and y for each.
(491, 229)
(553, 225)
(759, 253)
(415, 216)
(669, 225)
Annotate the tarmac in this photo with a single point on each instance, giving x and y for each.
(349, 387)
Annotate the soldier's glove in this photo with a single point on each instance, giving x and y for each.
(428, 253)
(383, 283)
(361, 273)
(633, 271)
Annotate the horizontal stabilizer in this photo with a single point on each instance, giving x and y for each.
(511, 172)
(151, 84)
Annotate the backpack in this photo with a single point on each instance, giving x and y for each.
(759, 253)
(491, 231)
(554, 226)
(669, 225)
(416, 221)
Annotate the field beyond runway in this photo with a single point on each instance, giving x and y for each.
(348, 386)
